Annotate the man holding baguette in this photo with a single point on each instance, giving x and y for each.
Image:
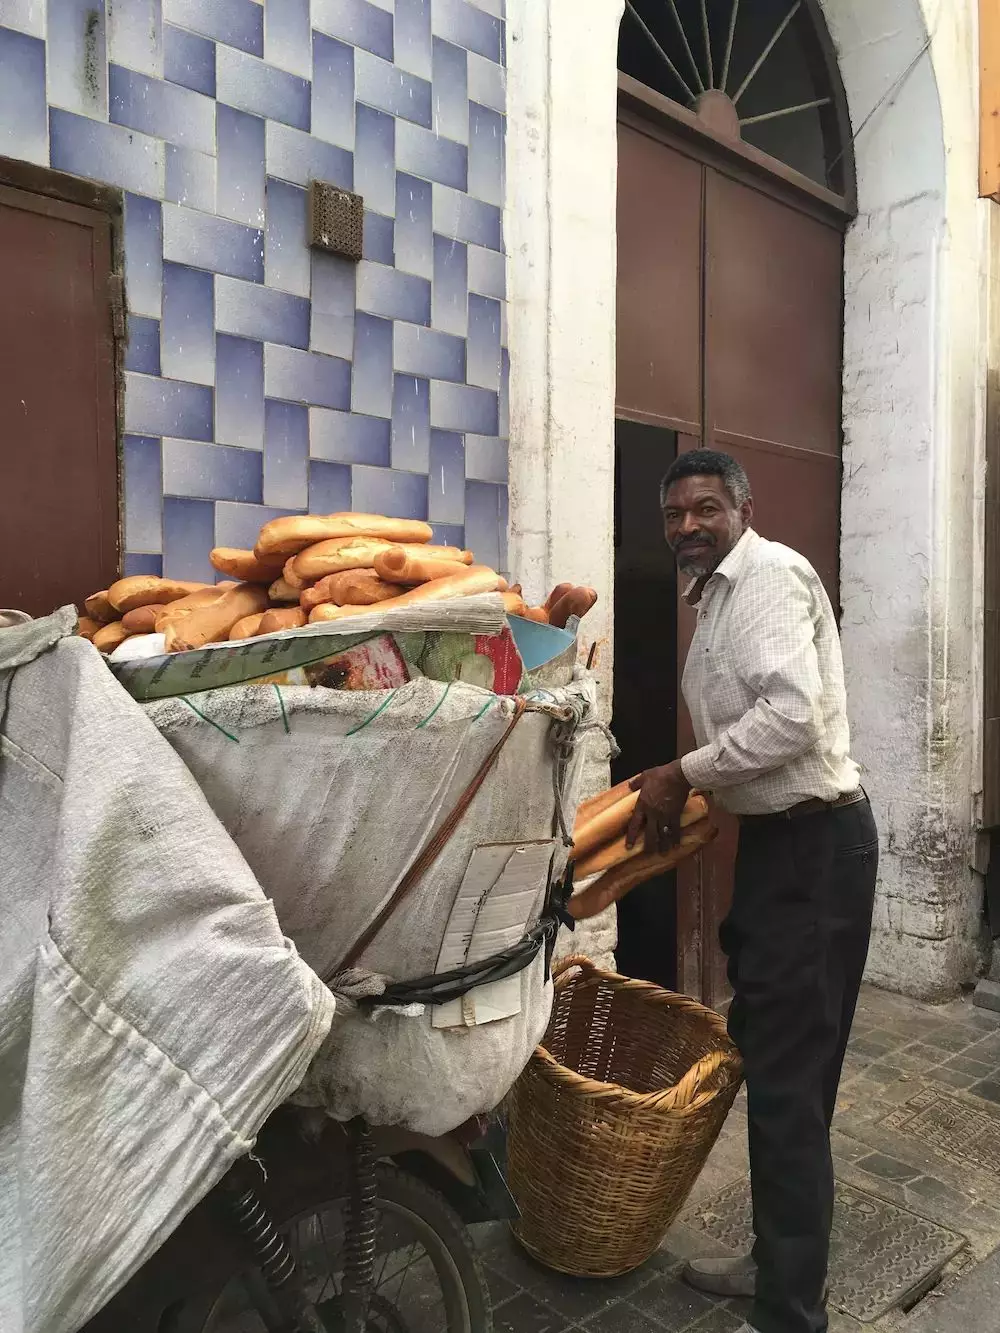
(764, 684)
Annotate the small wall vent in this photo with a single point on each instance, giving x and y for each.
(336, 220)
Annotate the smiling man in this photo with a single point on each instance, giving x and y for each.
(764, 684)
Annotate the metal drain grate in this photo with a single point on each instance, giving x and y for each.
(881, 1256)
(956, 1130)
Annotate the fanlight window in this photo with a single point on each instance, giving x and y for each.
(761, 70)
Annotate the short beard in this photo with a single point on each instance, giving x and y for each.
(697, 566)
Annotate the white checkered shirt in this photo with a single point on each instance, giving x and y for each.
(764, 684)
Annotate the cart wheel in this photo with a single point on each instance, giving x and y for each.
(428, 1278)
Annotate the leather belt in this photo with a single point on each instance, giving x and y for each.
(812, 807)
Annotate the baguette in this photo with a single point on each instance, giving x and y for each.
(142, 620)
(603, 828)
(577, 602)
(289, 535)
(342, 553)
(472, 580)
(148, 590)
(185, 605)
(397, 565)
(108, 637)
(282, 591)
(557, 593)
(614, 853)
(538, 614)
(290, 617)
(87, 627)
(248, 627)
(351, 587)
(99, 608)
(291, 575)
(614, 884)
(244, 565)
(513, 604)
(209, 624)
(587, 810)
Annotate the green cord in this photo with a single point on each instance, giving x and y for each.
(205, 718)
(284, 715)
(430, 715)
(372, 716)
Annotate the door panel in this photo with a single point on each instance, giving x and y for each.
(59, 497)
(730, 312)
(773, 298)
(659, 283)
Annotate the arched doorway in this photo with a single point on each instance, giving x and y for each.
(735, 188)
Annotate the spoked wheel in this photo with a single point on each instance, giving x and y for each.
(428, 1278)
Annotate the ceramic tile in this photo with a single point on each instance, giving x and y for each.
(286, 255)
(162, 110)
(238, 524)
(380, 84)
(143, 488)
(241, 171)
(349, 437)
(253, 311)
(372, 378)
(306, 377)
(451, 91)
(261, 89)
(381, 490)
(446, 478)
(357, 23)
(286, 454)
(329, 487)
(188, 536)
(77, 43)
(411, 423)
(288, 37)
(211, 471)
(189, 60)
(109, 153)
(465, 25)
(167, 407)
(300, 158)
(24, 119)
(412, 30)
(333, 91)
(187, 334)
(190, 178)
(239, 391)
(379, 243)
(238, 23)
(143, 350)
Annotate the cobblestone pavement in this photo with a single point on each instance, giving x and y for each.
(937, 1156)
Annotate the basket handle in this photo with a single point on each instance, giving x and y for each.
(575, 960)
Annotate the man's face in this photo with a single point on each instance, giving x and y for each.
(702, 524)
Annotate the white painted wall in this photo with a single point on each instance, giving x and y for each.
(915, 344)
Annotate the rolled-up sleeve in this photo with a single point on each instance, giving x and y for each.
(773, 647)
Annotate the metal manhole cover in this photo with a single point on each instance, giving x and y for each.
(880, 1255)
(956, 1130)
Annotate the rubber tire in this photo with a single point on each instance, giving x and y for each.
(398, 1187)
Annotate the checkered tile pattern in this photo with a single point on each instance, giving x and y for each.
(263, 378)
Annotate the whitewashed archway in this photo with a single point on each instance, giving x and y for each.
(916, 318)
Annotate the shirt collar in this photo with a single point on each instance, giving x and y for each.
(729, 569)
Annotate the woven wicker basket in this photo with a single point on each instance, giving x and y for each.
(614, 1118)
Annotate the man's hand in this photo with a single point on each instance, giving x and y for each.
(662, 795)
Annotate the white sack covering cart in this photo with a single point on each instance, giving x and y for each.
(411, 841)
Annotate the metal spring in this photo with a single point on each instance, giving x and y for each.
(270, 1252)
(361, 1239)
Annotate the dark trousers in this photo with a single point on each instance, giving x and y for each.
(797, 940)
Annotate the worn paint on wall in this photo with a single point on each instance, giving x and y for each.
(263, 378)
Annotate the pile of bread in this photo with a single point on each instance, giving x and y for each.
(306, 569)
(599, 848)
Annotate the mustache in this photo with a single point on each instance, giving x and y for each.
(694, 543)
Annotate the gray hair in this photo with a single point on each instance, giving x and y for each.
(709, 463)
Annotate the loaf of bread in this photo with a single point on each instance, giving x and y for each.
(108, 637)
(282, 591)
(244, 566)
(289, 535)
(339, 554)
(614, 853)
(557, 594)
(289, 617)
(99, 608)
(604, 827)
(398, 565)
(142, 620)
(87, 627)
(210, 624)
(513, 604)
(248, 627)
(538, 614)
(472, 580)
(175, 611)
(577, 602)
(351, 587)
(148, 590)
(614, 884)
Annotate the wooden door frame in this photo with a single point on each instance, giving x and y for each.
(641, 109)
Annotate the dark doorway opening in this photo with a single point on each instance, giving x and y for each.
(645, 676)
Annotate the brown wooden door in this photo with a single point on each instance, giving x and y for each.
(59, 479)
(746, 278)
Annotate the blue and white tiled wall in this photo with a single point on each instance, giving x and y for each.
(263, 378)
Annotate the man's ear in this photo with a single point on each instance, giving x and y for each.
(746, 512)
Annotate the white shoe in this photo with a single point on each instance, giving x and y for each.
(746, 1328)
(723, 1277)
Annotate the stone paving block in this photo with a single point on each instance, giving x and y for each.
(672, 1303)
(525, 1314)
(623, 1319)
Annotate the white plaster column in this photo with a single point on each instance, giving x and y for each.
(560, 224)
(914, 364)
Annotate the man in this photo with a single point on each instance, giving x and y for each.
(764, 684)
